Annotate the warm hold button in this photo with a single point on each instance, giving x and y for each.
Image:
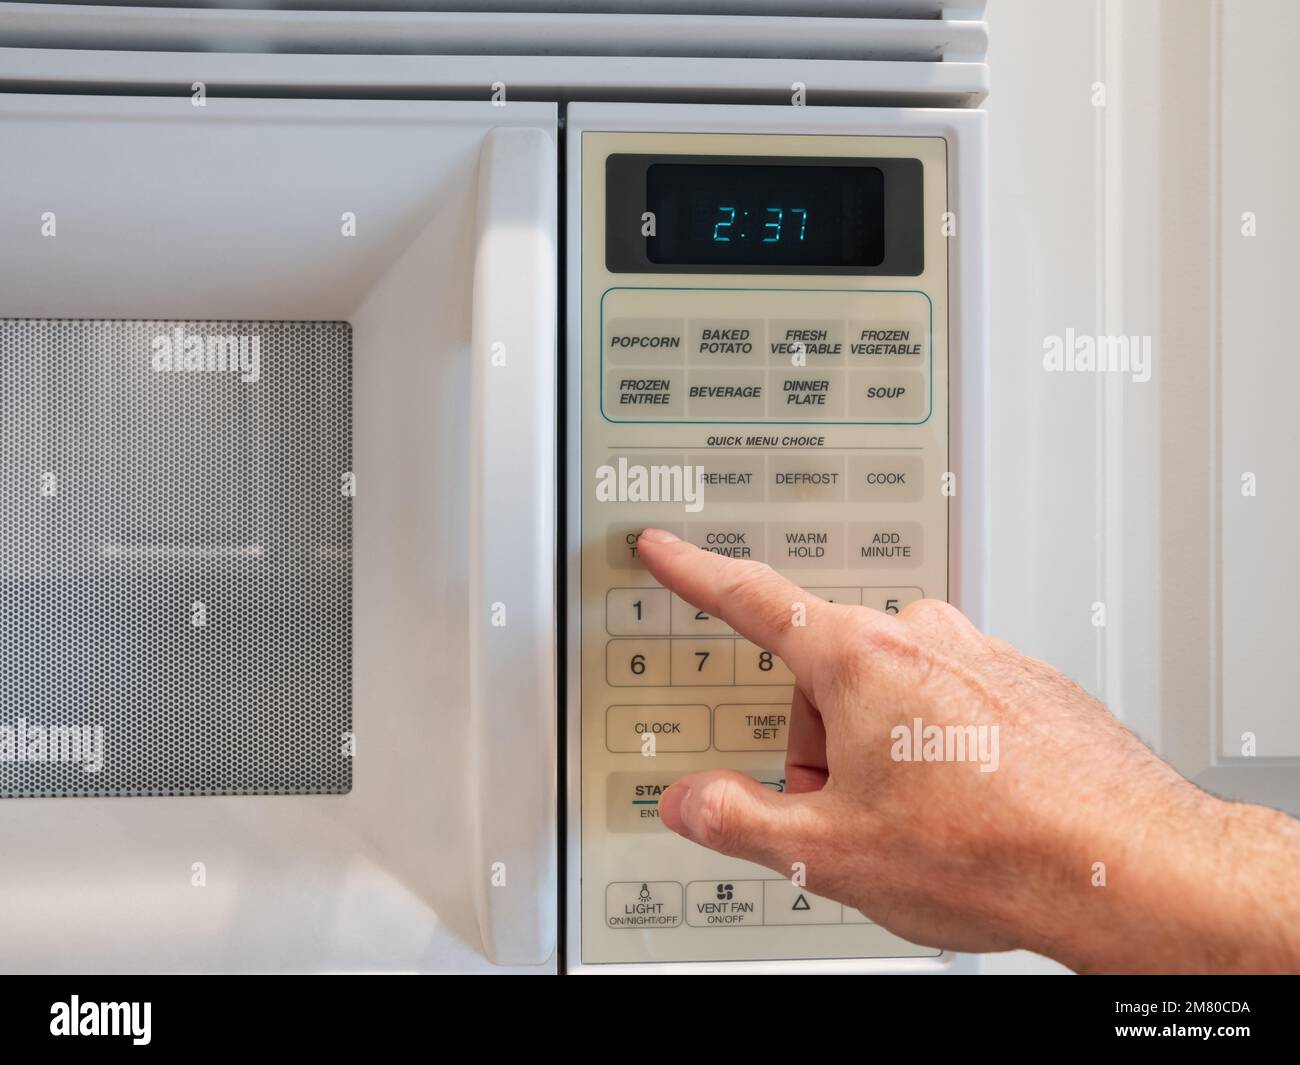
(752, 727)
(806, 543)
(885, 478)
(628, 729)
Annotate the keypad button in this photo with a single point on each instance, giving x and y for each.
(729, 477)
(881, 478)
(644, 393)
(726, 395)
(688, 620)
(752, 727)
(796, 545)
(637, 611)
(757, 666)
(815, 394)
(724, 903)
(888, 396)
(785, 903)
(810, 342)
(890, 600)
(632, 800)
(744, 540)
(844, 596)
(674, 728)
(794, 477)
(645, 341)
(886, 545)
(621, 544)
(726, 341)
(889, 344)
(637, 663)
(643, 905)
(703, 662)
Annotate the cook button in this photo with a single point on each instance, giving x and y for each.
(740, 540)
(643, 904)
(645, 341)
(674, 728)
(895, 545)
(784, 903)
(724, 903)
(884, 343)
(806, 544)
(881, 478)
(898, 396)
(752, 727)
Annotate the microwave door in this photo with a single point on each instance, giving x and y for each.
(277, 535)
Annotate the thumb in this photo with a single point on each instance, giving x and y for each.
(736, 815)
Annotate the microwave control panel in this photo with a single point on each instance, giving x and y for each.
(764, 372)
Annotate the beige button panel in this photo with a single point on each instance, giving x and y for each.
(766, 355)
(791, 544)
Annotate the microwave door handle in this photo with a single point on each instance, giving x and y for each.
(512, 619)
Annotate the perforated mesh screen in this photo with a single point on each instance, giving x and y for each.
(175, 557)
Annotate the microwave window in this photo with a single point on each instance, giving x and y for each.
(765, 215)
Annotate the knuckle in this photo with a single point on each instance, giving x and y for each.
(930, 611)
(721, 815)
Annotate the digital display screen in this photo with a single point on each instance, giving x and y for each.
(765, 215)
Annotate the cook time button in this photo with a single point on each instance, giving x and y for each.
(643, 904)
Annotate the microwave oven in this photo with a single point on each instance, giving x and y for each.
(326, 380)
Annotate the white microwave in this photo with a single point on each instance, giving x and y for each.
(323, 640)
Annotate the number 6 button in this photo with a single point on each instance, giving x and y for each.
(636, 663)
(756, 666)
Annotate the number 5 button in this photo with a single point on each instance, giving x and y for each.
(756, 666)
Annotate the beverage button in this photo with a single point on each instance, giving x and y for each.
(888, 396)
(637, 611)
(752, 727)
(814, 394)
(644, 394)
(888, 545)
(902, 344)
(724, 903)
(643, 904)
(729, 477)
(890, 600)
(645, 341)
(786, 903)
(628, 729)
(733, 539)
(802, 477)
(726, 395)
(885, 478)
(810, 342)
(726, 341)
(806, 544)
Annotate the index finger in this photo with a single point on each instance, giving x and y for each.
(752, 598)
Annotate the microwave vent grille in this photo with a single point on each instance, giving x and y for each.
(175, 558)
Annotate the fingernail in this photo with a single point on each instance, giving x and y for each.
(658, 536)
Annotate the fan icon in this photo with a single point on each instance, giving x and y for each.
(725, 892)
